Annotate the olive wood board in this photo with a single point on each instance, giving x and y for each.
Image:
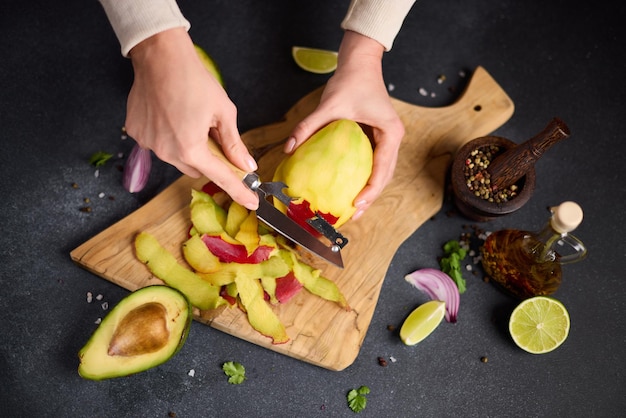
(321, 332)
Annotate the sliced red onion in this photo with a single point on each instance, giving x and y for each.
(438, 286)
(137, 169)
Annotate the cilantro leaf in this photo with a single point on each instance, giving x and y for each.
(450, 263)
(100, 158)
(356, 398)
(235, 371)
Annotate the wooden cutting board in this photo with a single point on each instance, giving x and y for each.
(320, 332)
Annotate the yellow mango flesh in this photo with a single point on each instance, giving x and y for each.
(164, 265)
(329, 169)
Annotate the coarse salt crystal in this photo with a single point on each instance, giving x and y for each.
(97, 322)
(99, 297)
(105, 306)
(433, 94)
(96, 173)
(89, 297)
(391, 87)
(423, 91)
(101, 195)
(192, 373)
(468, 267)
(392, 358)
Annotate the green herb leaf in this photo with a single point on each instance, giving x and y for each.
(100, 158)
(450, 263)
(235, 371)
(356, 398)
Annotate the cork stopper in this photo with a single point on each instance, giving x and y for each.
(566, 217)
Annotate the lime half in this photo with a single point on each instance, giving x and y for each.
(539, 324)
(422, 322)
(209, 64)
(318, 61)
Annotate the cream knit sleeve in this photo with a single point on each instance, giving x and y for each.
(380, 20)
(136, 20)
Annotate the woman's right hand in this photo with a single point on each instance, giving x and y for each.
(173, 105)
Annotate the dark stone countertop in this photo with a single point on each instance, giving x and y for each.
(63, 91)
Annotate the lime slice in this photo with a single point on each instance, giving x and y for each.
(422, 322)
(539, 324)
(318, 61)
(209, 64)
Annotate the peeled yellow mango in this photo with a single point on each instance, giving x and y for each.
(328, 171)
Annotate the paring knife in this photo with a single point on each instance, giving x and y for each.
(282, 223)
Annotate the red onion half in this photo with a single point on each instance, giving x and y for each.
(438, 286)
(137, 169)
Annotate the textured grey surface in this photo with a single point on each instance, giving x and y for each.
(63, 89)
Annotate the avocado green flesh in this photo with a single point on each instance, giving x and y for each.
(97, 364)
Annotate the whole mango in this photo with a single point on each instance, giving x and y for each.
(327, 172)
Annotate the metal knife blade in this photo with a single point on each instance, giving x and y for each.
(288, 228)
(277, 220)
(282, 224)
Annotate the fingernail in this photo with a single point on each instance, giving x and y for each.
(360, 203)
(357, 214)
(290, 144)
(252, 165)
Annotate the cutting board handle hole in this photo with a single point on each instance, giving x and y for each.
(478, 108)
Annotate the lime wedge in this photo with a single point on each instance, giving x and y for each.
(539, 324)
(318, 61)
(422, 322)
(209, 64)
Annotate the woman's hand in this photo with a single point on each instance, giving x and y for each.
(357, 91)
(173, 105)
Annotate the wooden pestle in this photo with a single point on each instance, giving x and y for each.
(515, 162)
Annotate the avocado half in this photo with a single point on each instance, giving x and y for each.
(144, 330)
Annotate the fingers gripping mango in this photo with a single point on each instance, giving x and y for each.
(327, 172)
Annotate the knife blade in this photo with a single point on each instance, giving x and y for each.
(280, 222)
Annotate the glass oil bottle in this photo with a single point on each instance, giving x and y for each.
(527, 264)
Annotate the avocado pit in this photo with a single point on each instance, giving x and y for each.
(143, 330)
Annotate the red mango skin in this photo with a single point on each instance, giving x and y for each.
(300, 212)
(211, 189)
(235, 253)
(228, 298)
(287, 287)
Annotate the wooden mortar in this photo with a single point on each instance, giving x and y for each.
(513, 165)
(474, 207)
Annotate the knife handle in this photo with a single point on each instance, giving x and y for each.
(219, 153)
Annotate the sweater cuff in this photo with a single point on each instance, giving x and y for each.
(380, 20)
(136, 20)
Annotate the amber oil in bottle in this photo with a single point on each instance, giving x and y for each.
(527, 264)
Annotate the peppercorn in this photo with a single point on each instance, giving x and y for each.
(478, 180)
(484, 359)
(382, 361)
